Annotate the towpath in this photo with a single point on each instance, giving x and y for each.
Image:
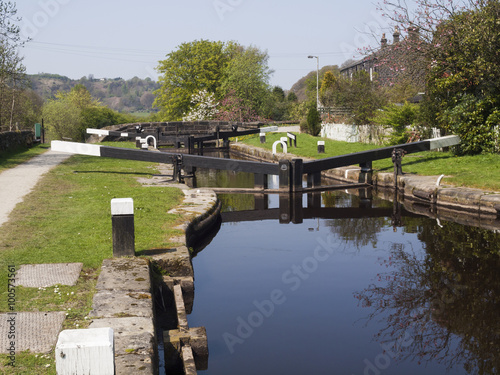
(17, 182)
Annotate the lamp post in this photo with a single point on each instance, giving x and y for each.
(317, 79)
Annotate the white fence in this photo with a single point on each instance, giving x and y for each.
(355, 133)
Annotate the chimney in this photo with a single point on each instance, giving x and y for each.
(383, 41)
(396, 35)
(414, 33)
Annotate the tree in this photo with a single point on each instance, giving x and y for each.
(362, 95)
(278, 107)
(62, 120)
(65, 115)
(220, 68)
(147, 99)
(193, 67)
(292, 97)
(204, 107)
(464, 81)
(329, 90)
(247, 74)
(460, 40)
(12, 72)
(426, 15)
(232, 108)
(313, 121)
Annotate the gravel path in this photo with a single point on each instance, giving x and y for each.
(291, 129)
(17, 182)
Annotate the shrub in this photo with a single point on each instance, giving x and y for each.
(313, 121)
(474, 120)
(399, 118)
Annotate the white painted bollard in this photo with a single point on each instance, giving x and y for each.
(85, 351)
(321, 147)
(123, 229)
(262, 137)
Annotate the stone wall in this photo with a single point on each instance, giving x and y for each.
(355, 133)
(15, 140)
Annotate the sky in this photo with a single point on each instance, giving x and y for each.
(127, 38)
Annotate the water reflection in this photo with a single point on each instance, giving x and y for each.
(426, 293)
(444, 302)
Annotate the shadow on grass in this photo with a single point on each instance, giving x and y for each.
(417, 161)
(120, 173)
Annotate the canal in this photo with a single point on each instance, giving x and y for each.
(346, 284)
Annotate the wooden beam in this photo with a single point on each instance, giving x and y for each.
(167, 158)
(377, 154)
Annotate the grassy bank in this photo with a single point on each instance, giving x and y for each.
(67, 219)
(10, 159)
(479, 171)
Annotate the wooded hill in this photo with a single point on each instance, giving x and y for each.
(133, 95)
(309, 82)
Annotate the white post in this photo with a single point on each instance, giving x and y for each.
(85, 351)
(123, 229)
(321, 147)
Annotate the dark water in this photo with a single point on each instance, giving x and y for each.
(357, 291)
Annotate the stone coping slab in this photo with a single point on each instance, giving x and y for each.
(115, 304)
(134, 343)
(131, 274)
(34, 331)
(45, 275)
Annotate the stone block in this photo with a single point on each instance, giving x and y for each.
(188, 360)
(195, 337)
(176, 263)
(490, 203)
(460, 198)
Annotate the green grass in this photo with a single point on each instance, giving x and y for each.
(11, 159)
(29, 364)
(479, 171)
(67, 218)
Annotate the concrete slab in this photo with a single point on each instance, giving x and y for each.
(131, 274)
(34, 331)
(44, 275)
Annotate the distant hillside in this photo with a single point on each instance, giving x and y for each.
(299, 87)
(133, 95)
